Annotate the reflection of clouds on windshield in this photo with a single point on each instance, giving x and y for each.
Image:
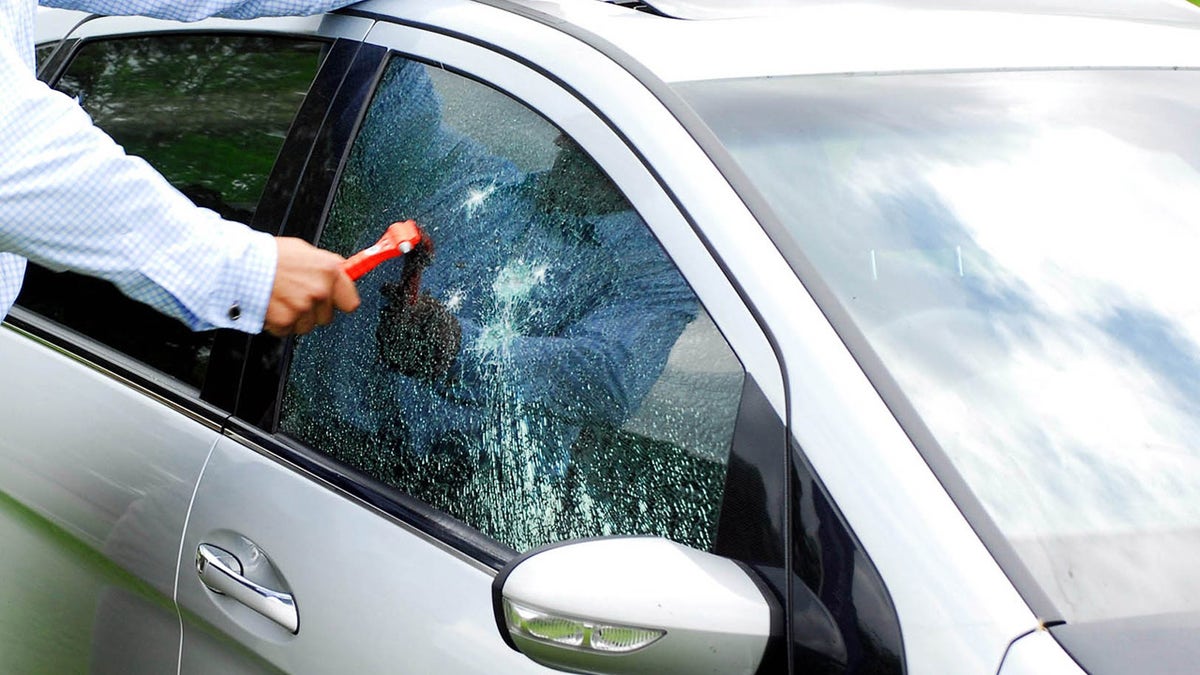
(1078, 210)
(1025, 289)
(1164, 348)
(1019, 249)
(1088, 414)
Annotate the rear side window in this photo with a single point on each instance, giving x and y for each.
(43, 51)
(544, 373)
(210, 112)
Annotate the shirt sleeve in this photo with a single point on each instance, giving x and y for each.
(70, 198)
(194, 11)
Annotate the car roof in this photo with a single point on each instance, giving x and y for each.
(748, 38)
(1149, 10)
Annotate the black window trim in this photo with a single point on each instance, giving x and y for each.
(227, 366)
(52, 69)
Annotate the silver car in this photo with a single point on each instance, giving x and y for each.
(760, 337)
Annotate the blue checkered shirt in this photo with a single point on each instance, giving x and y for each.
(70, 198)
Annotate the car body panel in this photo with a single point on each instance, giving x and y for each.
(330, 25)
(816, 38)
(99, 470)
(53, 24)
(1161, 11)
(1038, 652)
(1158, 644)
(836, 416)
(373, 596)
(96, 479)
(378, 591)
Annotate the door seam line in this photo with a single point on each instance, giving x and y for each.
(179, 554)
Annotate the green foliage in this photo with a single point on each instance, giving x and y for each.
(204, 111)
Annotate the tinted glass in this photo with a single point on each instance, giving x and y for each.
(545, 373)
(43, 52)
(210, 113)
(1018, 250)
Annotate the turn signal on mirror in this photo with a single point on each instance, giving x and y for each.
(564, 631)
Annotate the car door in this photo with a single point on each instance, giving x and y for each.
(567, 362)
(106, 426)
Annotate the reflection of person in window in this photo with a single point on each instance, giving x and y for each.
(567, 305)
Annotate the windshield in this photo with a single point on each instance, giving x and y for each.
(1020, 251)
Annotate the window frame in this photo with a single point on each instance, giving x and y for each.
(267, 358)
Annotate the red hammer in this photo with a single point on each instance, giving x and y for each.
(400, 238)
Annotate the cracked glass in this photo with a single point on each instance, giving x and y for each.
(542, 371)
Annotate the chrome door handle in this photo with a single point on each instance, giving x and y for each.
(213, 566)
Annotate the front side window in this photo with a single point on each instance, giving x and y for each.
(210, 113)
(43, 52)
(544, 372)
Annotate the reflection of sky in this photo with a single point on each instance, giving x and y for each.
(1020, 249)
(1096, 230)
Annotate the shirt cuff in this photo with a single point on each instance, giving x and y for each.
(244, 293)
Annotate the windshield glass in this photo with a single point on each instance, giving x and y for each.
(1020, 251)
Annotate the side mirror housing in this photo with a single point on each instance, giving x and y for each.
(634, 605)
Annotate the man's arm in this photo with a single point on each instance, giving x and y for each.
(194, 11)
(70, 198)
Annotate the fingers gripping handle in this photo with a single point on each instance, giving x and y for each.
(400, 238)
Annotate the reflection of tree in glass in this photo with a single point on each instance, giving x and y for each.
(210, 113)
(203, 110)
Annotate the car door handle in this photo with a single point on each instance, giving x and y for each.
(215, 567)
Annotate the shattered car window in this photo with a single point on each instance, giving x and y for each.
(540, 370)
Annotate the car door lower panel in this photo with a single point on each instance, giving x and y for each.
(372, 595)
(95, 479)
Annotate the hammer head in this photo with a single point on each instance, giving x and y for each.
(400, 238)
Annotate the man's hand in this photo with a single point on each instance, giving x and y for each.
(309, 285)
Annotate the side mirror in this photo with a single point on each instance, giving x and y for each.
(634, 605)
